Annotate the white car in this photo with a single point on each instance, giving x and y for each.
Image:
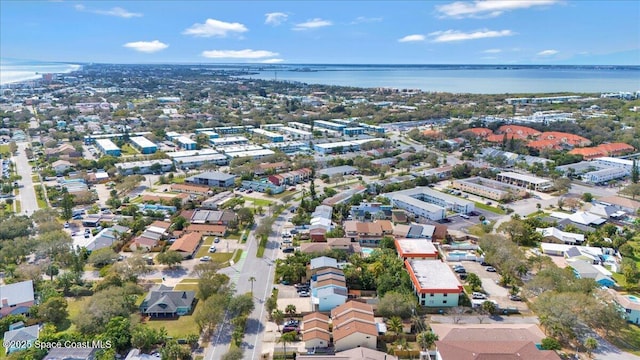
(212, 249)
(205, 258)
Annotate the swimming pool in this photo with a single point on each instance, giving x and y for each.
(367, 251)
(458, 253)
(633, 298)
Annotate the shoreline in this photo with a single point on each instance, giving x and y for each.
(21, 76)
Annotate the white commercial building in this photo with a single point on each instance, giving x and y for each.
(428, 195)
(525, 181)
(434, 282)
(612, 162)
(229, 140)
(604, 175)
(418, 208)
(296, 133)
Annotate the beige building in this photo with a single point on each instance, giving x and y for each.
(354, 326)
(315, 331)
(490, 189)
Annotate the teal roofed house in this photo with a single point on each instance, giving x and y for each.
(162, 302)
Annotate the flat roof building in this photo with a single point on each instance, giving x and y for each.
(296, 133)
(428, 195)
(419, 208)
(212, 178)
(525, 181)
(288, 147)
(604, 175)
(434, 282)
(271, 136)
(254, 154)
(490, 189)
(145, 166)
(226, 130)
(614, 162)
(329, 125)
(416, 249)
(144, 145)
(185, 143)
(107, 147)
(229, 140)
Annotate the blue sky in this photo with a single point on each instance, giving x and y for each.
(360, 32)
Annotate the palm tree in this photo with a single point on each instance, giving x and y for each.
(403, 345)
(290, 310)
(251, 280)
(278, 317)
(426, 339)
(395, 324)
(590, 344)
(287, 338)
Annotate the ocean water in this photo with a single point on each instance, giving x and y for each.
(12, 71)
(465, 79)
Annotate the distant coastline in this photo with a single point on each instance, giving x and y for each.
(16, 71)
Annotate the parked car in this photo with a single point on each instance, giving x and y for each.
(478, 296)
(292, 322)
(212, 249)
(463, 276)
(491, 269)
(205, 258)
(484, 263)
(515, 298)
(297, 286)
(288, 250)
(304, 294)
(66, 225)
(290, 328)
(460, 270)
(216, 240)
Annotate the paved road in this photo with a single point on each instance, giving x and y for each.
(27, 192)
(262, 269)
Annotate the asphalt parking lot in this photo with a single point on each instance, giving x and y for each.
(490, 285)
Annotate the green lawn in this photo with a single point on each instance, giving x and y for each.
(627, 339)
(258, 202)
(74, 305)
(127, 149)
(493, 209)
(35, 179)
(178, 328)
(4, 149)
(193, 287)
(217, 256)
(18, 206)
(236, 256)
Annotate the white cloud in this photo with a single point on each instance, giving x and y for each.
(215, 28)
(492, 51)
(119, 12)
(312, 24)
(239, 54)
(275, 18)
(412, 38)
(116, 11)
(549, 52)
(455, 35)
(363, 19)
(272, 61)
(488, 8)
(146, 46)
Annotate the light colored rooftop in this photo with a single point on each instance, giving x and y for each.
(524, 177)
(433, 274)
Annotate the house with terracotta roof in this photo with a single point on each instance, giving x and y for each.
(264, 168)
(498, 138)
(479, 132)
(208, 229)
(367, 233)
(490, 341)
(520, 132)
(565, 138)
(291, 177)
(353, 326)
(187, 245)
(588, 153)
(315, 331)
(543, 144)
(603, 150)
